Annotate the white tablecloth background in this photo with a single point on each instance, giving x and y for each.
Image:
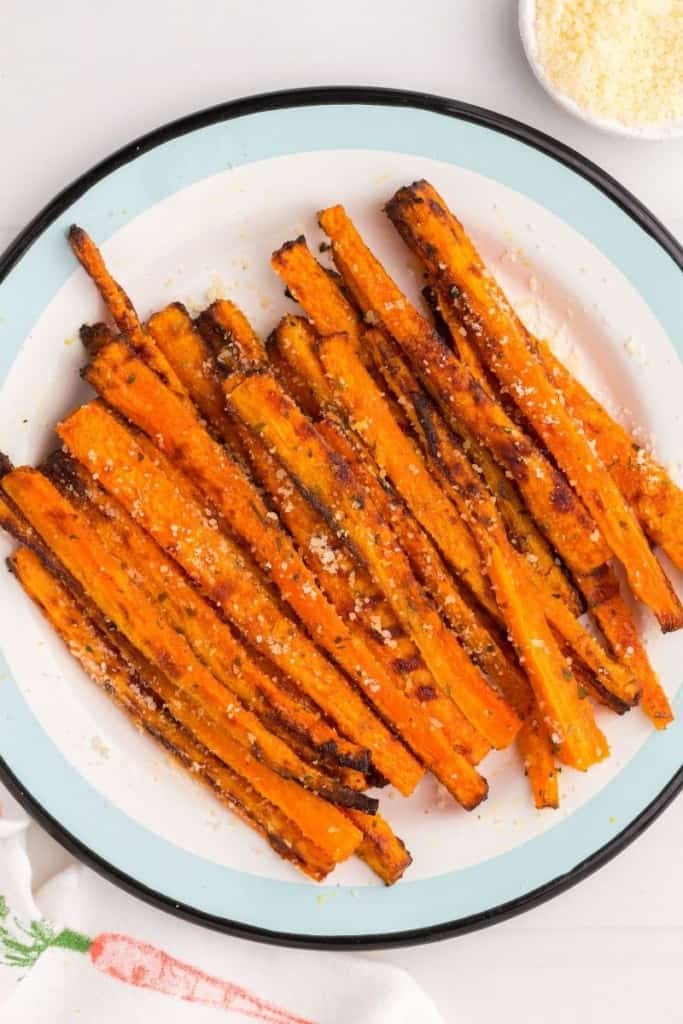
(79, 79)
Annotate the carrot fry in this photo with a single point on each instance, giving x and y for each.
(523, 532)
(534, 642)
(308, 528)
(539, 764)
(435, 234)
(612, 614)
(313, 289)
(145, 485)
(68, 534)
(296, 342)
(657, 500)
(134, 389)
(380, 848)
(109, 670)
(551, 500)
(119, 305)
(484, 647)
(209, 637)
(327, 480)
(231, 335)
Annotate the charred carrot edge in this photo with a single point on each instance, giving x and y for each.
(328, 482)
(531, 635)
(69, 536)
(129, 385)
(310, 285)
(424, 222)
(148, 490)
(462, 399)
(616, 622)
(108, 669)
(119, 305)
(232, 336)
(94, 336)
(209, 637)
(522, 530)
(381, 849)
(657, 500)
(307, 526)
(539, 764)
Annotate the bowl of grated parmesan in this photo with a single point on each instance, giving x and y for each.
(617, 64)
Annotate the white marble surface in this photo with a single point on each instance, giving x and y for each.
(77, 80)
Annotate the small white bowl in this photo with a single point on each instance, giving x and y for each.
(527, 30)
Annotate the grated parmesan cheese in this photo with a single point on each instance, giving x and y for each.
(621, 60)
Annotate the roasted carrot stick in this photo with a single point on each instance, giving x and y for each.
(523, 532)
(231, 335)
(296, 342)
(380, 848)
(209, 637)
(328, 481)
(313, 289)
(135, 390)
(119, 305)
(539, 763)
(462, 399)
(110, 587)
(424, 222)
(657, 500)
(106, 667)
(532, 637)
(147, 488)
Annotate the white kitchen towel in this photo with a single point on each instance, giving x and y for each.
(82, 950)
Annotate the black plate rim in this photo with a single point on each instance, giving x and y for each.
(317, 96)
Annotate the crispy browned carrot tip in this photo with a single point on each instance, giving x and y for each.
(657, 500)
(462, 399)
(328, 481)
(74, 542)
(128, 685)
(425, 223)
(226, 327)
(531, 635)
(523, 532)
(403, 463)
(148, 491)
(296, 385)
(119, 305)
(210, 638)
(381, 849)
(612, 614)
(314, 290)
(94, 336)
(129, 385)
(536, 748)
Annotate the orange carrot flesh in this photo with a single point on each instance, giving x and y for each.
(147, 490)
(78, 548)
(539, 764)
(119, 305)
(402, 462)
(643, 482)
(136, 391)
(296, 342)
(109, 670)
(433, 232)
(328, 481)
(462, 399)
(313, 289)
(232, 335)
(209, 637)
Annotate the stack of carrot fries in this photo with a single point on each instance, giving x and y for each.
(355, 552)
